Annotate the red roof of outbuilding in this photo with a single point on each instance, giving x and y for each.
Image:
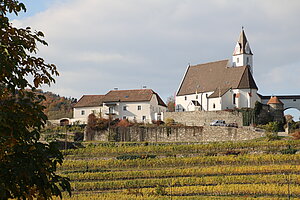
(274, 100)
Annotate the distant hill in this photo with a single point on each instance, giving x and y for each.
(56, 106)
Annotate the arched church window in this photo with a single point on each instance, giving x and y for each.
(238, 60)
(247, 60)
(214, 105)
(233, 98)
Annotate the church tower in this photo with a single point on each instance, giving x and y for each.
(242, 55)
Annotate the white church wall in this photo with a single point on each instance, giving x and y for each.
(214, 104)
(245, 100)
(227, 100)
(182, 102)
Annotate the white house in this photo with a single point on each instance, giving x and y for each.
(220, 85)
(86, 105)
(142, 105)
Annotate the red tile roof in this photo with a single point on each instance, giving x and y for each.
(215, 76)
(132, 96)
(90, 101)
(119, 96)
(274, 100)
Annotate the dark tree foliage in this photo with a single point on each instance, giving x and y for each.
(27, 167)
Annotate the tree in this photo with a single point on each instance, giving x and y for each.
(171, 104)
(27, 166)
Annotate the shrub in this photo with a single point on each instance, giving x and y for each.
(169, 121)
(158, 122)
(102, 124)
(272, 136)
(124, 123)
(272, 127)
(296, 135)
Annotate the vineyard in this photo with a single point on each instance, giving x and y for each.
(226, 170)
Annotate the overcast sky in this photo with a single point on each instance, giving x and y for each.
(98, 45)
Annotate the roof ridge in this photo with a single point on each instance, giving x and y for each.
(93, 95)
(211, 62)
(131, 90)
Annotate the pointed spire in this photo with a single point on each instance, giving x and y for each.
(242, 46)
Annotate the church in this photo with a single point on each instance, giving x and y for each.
(220, 85)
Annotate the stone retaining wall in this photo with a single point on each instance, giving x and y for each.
(204, 118)
(176, 134)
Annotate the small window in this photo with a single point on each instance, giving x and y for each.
(111, 110)
(294, 99)
(94, 111)
(247, 60)
(82, 112)
(144, 118)
(185, 98)
(183, 109)
(196, 96)
(139, 108)
(233, 98)
(124, 117)
(124, 107)
(238, 60)
(214, 105)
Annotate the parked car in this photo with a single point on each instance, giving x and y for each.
(218, 123)
(232, 125)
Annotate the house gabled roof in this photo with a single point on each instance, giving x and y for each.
(215, 76)
(90, 101)
(132, 96)
(218, 93)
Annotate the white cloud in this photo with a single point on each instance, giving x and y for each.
(98, 45)
(98, 57)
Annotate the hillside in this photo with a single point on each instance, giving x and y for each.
(225, 170)
(56, 106)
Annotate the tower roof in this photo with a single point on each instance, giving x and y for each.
(274, 100)
(242, 46)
